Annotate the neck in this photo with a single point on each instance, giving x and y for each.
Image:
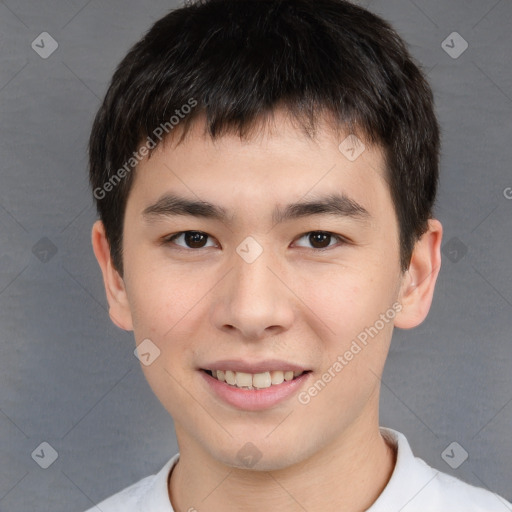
(352, 472)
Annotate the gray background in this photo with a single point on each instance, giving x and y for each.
(69, 377)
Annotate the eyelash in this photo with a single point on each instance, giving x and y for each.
(170, 239)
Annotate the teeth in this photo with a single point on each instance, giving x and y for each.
(262, 380)
(256, 380)
(277, 377)
(243, 379)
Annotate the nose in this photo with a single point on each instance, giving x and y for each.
(254, 300)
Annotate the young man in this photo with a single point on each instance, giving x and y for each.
(264, 174)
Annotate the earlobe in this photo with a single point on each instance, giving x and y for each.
(417, 289)
(119, 308)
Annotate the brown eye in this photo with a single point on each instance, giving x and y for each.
(195, 239)
(319, 239)
(190, 240)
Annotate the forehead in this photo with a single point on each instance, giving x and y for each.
(280, 133)
(276, 160)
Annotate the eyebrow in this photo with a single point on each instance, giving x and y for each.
(338, 205)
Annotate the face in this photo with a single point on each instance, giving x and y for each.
(251, 260)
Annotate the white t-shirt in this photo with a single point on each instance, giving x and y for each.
(414, 487)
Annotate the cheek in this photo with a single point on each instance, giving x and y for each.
(355, 346)
(346, 300)
(168, 308)
(357, 342)
(159, 294)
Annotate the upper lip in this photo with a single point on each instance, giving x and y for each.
(268, 365)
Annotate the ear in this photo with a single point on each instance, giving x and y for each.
(119, 308)
(419, 280)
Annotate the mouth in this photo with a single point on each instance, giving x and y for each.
(254, 381)
(254, 386)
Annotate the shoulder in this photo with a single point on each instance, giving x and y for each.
(149, 493)
(445, 492)
(416, 487)
(126, 500)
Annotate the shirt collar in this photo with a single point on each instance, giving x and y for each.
(409, 477)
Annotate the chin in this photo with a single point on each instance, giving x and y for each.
(261, 455)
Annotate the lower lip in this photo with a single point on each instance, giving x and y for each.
(254, 399)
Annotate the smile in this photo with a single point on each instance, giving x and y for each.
(251, 385)
(261, 380)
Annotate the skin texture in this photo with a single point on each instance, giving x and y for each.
(294, 302)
